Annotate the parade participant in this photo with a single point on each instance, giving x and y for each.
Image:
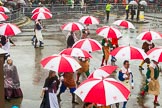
(127, 11)
(152, 82)
(106, 45)
(108, 9)
(133, 12)
(84, 62)
(11, 80)
(126, 76)
(67, 81)
(5, 41)
(49, 91)
(71, 38)
(85, 32)
(38, 33)
(113, 59)
(147, 45)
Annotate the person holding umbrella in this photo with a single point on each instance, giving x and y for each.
(147, 45)
(67, 81)
(152, 83)
(106, 45)
(126, 76)
(49, 91)
(38, 33)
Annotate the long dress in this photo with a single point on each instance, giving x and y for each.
(11, 82)
(50, 99)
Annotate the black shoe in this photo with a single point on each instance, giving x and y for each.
(141, 68)
(156, 103)
(73, 102)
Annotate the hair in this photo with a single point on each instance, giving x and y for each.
(86, 104)
(126, 61)
(50, 73)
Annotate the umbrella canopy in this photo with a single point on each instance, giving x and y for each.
(76, 52)
(41, 15)
(89, 20)
(108, 32)
(60, 63)
(102, 91)
(155, 54)
(9, 29)
(89, 45)
(4, 9)
(103, 72)
(143, 2)
(129, 53)
(124, 23)
(149, 35)
(72, 26)
(133, 3)
(3, 17)
(41, 9)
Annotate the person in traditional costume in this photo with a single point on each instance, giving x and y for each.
(84, 62)
(71, 38)
(106, 45)
(152, 82)
(11, 80)
(67, 82)
(49, 90)
(126, 77)
(5, 41)
(147, 45)
(38, 33)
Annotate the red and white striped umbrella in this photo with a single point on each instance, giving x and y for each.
(102, 91)
(3, 17)
(76, 52)
(60, 63)
(129, 53)
(155, 54)
(9, 29)
(108, 32)
(72, 26)
(89, 20)
(124, 23)
(4, 9)
(41, 15)
(89, 45)
(149, 35)
(41, 9)
(103, 72)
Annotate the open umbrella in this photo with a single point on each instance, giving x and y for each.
(9, 29)
(103, 72)
(41, 9)
(3, 17)
(76, 52)
(4, 9)
(133, 3)
(149, 35)
(143, 2)
(155, 54)
(124, 23)
(89, 20)
(129, 53)
(89, 45)
(102, 91)
(60, 63)
(72, 26)
(41, 15)
(108, 32)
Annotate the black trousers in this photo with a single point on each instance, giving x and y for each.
(127, 14)
(107, 13)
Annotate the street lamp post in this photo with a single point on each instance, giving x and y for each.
(2, 100)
